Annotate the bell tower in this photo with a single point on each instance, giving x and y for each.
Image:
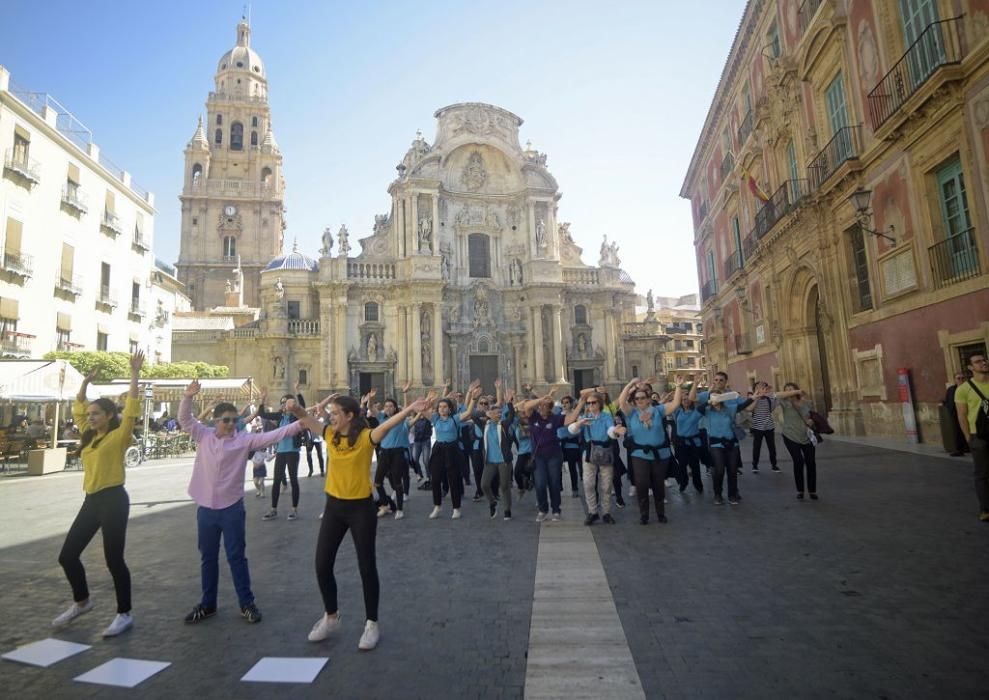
(233, 190)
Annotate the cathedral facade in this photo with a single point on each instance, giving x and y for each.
(469, 274)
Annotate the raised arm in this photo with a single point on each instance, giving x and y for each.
(498, 394)
(186, 419)
(622, 402)
(672, 405)
(378, 434)
(577, 409)
(204, 414)
(472, 395)
(136, 362)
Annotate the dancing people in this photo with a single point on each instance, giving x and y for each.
(393, 455)
(570, 444)
(106, 506)
(719, 407)
(286, 453)
(497, 438)
(448, 457)
(547, 455)
(599, 432)
(796, 422)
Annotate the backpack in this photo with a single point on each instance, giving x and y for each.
(982, 419)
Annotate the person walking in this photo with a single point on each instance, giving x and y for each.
(599, 431)
(217, 487)
(547, 455)
(570, 444)
(313, 441)
(286, 453)
(106, 506)
(796, 421)
(350, 506)
(720, 407)
(647, 444)
(763, 425)
(497, 438)
(972, 402)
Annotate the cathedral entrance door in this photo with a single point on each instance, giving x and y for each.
(376, 380)
(582, 379)
(485, 368)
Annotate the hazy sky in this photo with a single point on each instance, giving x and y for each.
(614, 93)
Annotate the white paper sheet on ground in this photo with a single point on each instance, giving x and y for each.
(124, 673)
(45, 653)
(280, 669)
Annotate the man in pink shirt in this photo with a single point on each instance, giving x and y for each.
(217, 487)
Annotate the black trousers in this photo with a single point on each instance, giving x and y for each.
(392, 464)
(105, 510)
(358, 516)
(448, 459)
(523, 477)
(804, 457)
(650, 474)
(319, 455)
(283, 461)
(477, 466)
(571, 456)
(758, 437)
(689, 455)
(726, 458)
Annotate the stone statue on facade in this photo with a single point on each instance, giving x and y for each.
(609, 254)
(581, 345)
(344, 237)
(454, 315)
(564, 230)
(540, 234)
(327, 242)
(425, 233)
(279, 289)
(515, 272)
(474, 175)
(650, 302)
(446, 261)
(482, 315)
(426, 343)
(372, 348)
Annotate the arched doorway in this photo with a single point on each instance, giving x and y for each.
(817, 351)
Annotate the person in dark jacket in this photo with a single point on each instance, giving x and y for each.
(286, 452)
(961, 444)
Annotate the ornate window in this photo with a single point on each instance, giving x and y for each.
(218, 139)
(580, 314)
(254, 138)
(479, 255)
(219, 120)
(229, 247)
(197, 173)
(254, 122)
(371, 311)
(266, 176)
(236, 136)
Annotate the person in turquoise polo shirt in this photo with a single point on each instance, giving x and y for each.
(719, 407)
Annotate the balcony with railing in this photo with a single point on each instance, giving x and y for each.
(137, 308)
(937, 46)
(808, 8)
(783, 201)
(14, 344)
(110, 224)
(709, 289)
(844, 146)
(139, 243)
(303, 326)
(232, 188)
(583, 277)
(371, 272)
(19, 163)
(727, 165)
(107, 297)
(70, 285)
(733, 263)
(745, 128)
(68, 346)
(955, 259)
(74, 198)
(749, 244)
(18, 263)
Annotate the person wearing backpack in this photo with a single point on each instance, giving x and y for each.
(972, 401)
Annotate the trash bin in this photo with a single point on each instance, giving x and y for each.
(45, 461)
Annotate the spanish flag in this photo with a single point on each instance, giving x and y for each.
(754, 186)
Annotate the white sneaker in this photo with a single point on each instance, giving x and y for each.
(456, 514)
(541, 517)
(270, 515)
(383, 511)
(324, 627)
(556, 517)
(631, 492)
(369, 640)
(435, 514)
(74, 611)
(399, 515)
(121, 623)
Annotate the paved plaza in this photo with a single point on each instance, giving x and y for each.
(877, 590)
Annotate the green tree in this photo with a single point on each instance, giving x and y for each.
(115, 365)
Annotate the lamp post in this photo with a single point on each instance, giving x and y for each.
(860, 200)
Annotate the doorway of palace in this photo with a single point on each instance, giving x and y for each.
(376, 380)
(582, 379)
(484, 368)
(818, 353)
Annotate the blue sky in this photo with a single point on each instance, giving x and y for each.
(614, 93)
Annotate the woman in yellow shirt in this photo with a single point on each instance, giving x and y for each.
(350, 445)
(106, 437)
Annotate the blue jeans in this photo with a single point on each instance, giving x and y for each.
(230, 523)
(549, 472)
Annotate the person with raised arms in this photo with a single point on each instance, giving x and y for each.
(599, 432)
(349, 506)
(719, 407)
(448, 456)
(393, 461)
(547, 455)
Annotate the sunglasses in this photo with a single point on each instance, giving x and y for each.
(483, 403)
(642, 398)
(592, 403)
(226, 419)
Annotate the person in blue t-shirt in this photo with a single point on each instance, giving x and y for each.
(523, 455)
(571, 447)
(647, 444)
(447, 454)
(688, 438)
(599, 432)
(393, 462)
(719, 407)
(497, 437)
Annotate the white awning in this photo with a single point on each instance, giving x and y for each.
(230, 389)
(38, 381)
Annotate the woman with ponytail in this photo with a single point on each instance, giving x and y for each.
(106, 437)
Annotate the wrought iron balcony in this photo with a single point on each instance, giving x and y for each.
(111, 224)
(749, 244)
(74, 198)
(783, 201)
(808, 8)
(955, 259)
(18, 263)
(71, 285)
(745, 128)
(845, 145)
(107, 297)
(936, 46)
(19, 163)
(709, 289)
(14, 344)
(733, 264)
(69, 346)
(727, 165)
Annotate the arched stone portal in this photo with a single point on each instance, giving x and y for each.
(805, 346)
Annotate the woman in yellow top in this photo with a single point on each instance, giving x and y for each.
(106, 437)
(350, 445)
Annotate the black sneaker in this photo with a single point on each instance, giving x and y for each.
(662, 519)
(494, 509)
(426, 486)
(477, 497)
(591, 518)
(644, 519)
(813, 497)
(755, 470)
(719, 501)
(199, 613)
(508, 515)
(608, 519)
(620, 502)
(776, 469)
(251, 613)
(733, 500)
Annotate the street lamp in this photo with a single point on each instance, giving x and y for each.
(860, 199)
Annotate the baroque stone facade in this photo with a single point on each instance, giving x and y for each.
(819, 101)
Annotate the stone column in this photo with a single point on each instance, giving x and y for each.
(435, 237)
(402, 344)
(437, 337)
(531, 235)
(343, 378)
(414, 228)
(537, 335)
(609, 347)
(399, 227)
(517, 378)
(415, 357)
(558, 360)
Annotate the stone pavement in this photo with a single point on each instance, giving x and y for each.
(876, 590)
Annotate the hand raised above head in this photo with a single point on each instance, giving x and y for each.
(193, 388)
(137, 361)
(419, 405)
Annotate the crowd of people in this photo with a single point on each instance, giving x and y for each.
(509, 444)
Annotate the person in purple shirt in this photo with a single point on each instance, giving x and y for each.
(547, 454)
(217, 487)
